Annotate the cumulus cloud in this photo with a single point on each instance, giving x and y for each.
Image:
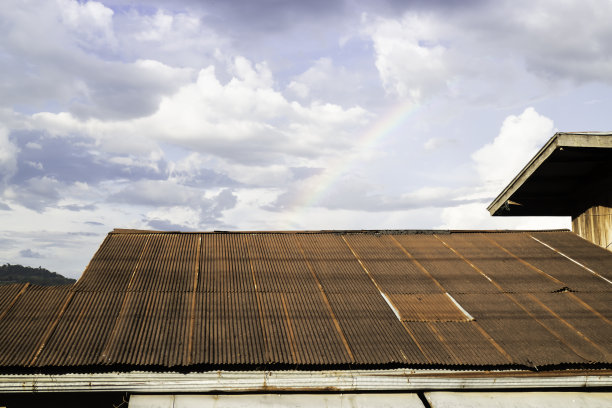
(245, 120)
(497, 163)
(538, 38)
(430, 51)
(37, 193)
(475, 216)
(92, 22)
(194, 206)
(436, 143)
(157, 192)
(77, 159)
(356, 193)
(411, 59)
(8, 156)
(28, 253)
(327, 81)
(60, 55)
(519, 138)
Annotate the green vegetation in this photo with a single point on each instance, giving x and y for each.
(36, 276)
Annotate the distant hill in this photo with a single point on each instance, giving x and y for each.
(36, 276)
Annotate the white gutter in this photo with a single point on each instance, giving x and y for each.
(302, 381)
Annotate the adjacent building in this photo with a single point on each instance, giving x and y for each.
(570, 176)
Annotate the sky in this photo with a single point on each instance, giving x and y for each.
(281, 115)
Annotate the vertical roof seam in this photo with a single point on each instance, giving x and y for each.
(550, 330)
(113, 334)
(571, 259)
(290, 327)
(432, 327)
(565, 322)
(137, 266)
(477, 269)
(513, 299)
(384, 296)
(267, 346)
(417, 263)
(465, 312)
(491, 340)
(371, 278)
(17, 296)
(588, 307)
(187, 358)
(527, 264)
(50, 329)
(326, 301)
(414, 339)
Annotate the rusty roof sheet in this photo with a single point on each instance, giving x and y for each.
(427, 307)
(8, 295)
(26, 326)
(319, 299)
(572, 246)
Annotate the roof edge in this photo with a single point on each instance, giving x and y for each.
(337, 380)
(559, 139)
(373, 232)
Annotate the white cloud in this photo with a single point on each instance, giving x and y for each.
(33, 145)
(156, 27)
(410, 57)
(495, 55)
(520, 137)
(64, 56)
(436, 143)
(176, 204)
(299, 89)
(37, 193)
(475, 216)
(583, 54)
(258, 76)
(326, 81)
(245, 120)
(177, 38)
(90, 22)
(8, 155)
(497, 163)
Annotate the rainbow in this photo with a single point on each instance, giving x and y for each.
(322, 183)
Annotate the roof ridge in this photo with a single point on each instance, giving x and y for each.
(341, 231)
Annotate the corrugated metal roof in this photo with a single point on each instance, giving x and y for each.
(427, 307)
(334, 299)
(26, 326)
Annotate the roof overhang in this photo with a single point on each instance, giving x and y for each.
(558, 177)
(303, 381)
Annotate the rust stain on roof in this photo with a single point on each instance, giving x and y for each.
(313, 299)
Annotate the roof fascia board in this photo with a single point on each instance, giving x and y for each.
(602, 139)
(302, 381)
(586, 139)
(524, 174)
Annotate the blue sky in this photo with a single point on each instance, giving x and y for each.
(277, 115)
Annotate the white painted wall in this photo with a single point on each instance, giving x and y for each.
(519, 399)
(405, 400)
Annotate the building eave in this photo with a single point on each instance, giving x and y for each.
(303, 381)
(503, 203)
